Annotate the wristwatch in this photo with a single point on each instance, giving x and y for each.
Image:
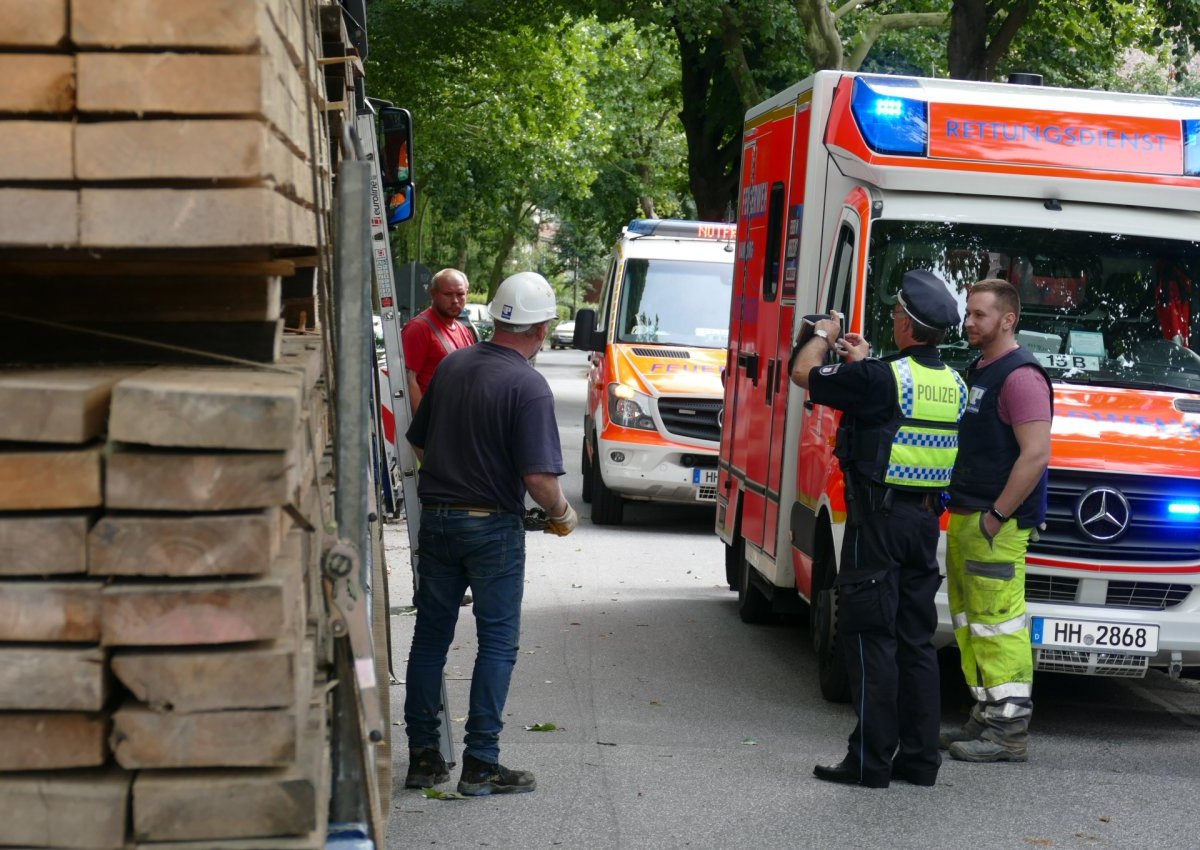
(823, 334)
(1001, 518)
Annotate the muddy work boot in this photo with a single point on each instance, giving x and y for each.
(479, 779)
(969, 731)
(984, 750)
(426, 768)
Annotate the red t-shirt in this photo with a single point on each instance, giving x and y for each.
(424, 350)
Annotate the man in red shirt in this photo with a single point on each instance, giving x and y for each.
(434, 332)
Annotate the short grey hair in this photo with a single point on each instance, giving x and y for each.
(509, 327)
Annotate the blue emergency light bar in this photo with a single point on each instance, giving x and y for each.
(1191, 147)
(680, 229)
(891, 121)
(1184, 510)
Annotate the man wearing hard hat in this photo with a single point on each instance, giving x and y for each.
(486, 434)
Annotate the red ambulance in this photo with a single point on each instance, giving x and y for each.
(1090, 203)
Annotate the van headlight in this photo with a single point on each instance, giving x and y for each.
(629, 408)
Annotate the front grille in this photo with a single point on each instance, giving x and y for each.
(1090, 663)
(1154, 596)
(677, 353)
(1150, 538)
(697, 418)
(1050, 588)
(706, 494)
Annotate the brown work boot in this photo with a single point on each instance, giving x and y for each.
(480, 779)
(969, 731)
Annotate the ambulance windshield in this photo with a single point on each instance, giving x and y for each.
(1096, 308)
(675, 302)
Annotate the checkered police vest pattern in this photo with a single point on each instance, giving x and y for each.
(931, 403)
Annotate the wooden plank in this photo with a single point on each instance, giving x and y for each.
(222, 805)
(207, 407)
(51, 544)
(305, 354)
(186, 149)
(83, 298)
(32, 341)
(50, 612)
(35, 150)
(215, 24)
(159, 481)
(164, 83)
(52, 740)
(196, 680)
(38, 217)
(49, 480)
(56, 405)
(183, 266)
(85, 809)
(52, 678)
(37, 83)
(184, 546)
(175, 614)
(144, 738)
(40, 24)
(189, 218)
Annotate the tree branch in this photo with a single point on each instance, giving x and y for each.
(1018, 13)
(896, 21)
(846, 8)
(739, 68)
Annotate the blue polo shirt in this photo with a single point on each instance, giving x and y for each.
(486, 420)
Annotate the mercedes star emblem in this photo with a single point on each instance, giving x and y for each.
(1102, 514)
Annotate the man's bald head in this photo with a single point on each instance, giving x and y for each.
(448, 293)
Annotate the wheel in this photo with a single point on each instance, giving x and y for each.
(608, 508)
(587, 468)
(831, 666)
(753, 606)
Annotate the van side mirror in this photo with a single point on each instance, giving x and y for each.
(395, 163)
(585, 337)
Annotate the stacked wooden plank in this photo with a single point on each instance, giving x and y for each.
(165, 171)
(162, 637)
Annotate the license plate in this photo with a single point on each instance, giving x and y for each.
(705, 477)
(1091, 636)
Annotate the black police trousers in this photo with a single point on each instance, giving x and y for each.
(886, 619)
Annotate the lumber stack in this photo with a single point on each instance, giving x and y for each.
(165, 174)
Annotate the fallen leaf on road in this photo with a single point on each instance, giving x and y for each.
(1105, 819)
(541, 727)
(577, 586)
(435, 794)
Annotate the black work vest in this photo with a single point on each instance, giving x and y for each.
(987, 448)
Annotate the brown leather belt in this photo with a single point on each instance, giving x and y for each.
(479, 509)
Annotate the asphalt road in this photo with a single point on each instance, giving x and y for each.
(679, 726)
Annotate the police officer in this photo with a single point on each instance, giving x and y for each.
(896, 445)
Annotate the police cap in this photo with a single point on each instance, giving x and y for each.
(927, 298)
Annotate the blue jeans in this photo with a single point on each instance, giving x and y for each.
(486, 554)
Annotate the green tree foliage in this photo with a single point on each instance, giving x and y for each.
(523, 116)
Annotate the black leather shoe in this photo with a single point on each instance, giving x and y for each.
(841, 772)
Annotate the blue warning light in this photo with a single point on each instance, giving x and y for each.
(1184, 510)
(1191, 147)
(891, 121)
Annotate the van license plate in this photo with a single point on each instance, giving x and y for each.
(1090, 636)
(705, 477)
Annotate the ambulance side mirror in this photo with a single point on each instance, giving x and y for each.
(585, 337)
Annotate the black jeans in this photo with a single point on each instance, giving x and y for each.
(886, 619)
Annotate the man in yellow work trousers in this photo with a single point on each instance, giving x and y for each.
(997, 498)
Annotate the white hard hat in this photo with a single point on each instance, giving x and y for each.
(524, 298)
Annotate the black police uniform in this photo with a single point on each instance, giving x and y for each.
(889, 560)
(889, 573)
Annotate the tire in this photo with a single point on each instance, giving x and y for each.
(753, 607)
(587, 469)
(608, 508)
(831, 666)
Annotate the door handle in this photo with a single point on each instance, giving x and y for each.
(749, 362)
(770, 381)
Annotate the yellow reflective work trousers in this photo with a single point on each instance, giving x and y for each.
(986, 581)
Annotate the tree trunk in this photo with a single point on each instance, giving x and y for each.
(711, 105)
(508, 239)
(823, 43)
(970, 54)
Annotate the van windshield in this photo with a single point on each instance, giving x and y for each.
(1096, 308)
(675, 302)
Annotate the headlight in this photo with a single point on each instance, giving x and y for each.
(629, 408)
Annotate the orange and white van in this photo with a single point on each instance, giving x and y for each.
(653, 420)
(1090, 203)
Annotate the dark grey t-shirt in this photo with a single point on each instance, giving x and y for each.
(486, 420)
